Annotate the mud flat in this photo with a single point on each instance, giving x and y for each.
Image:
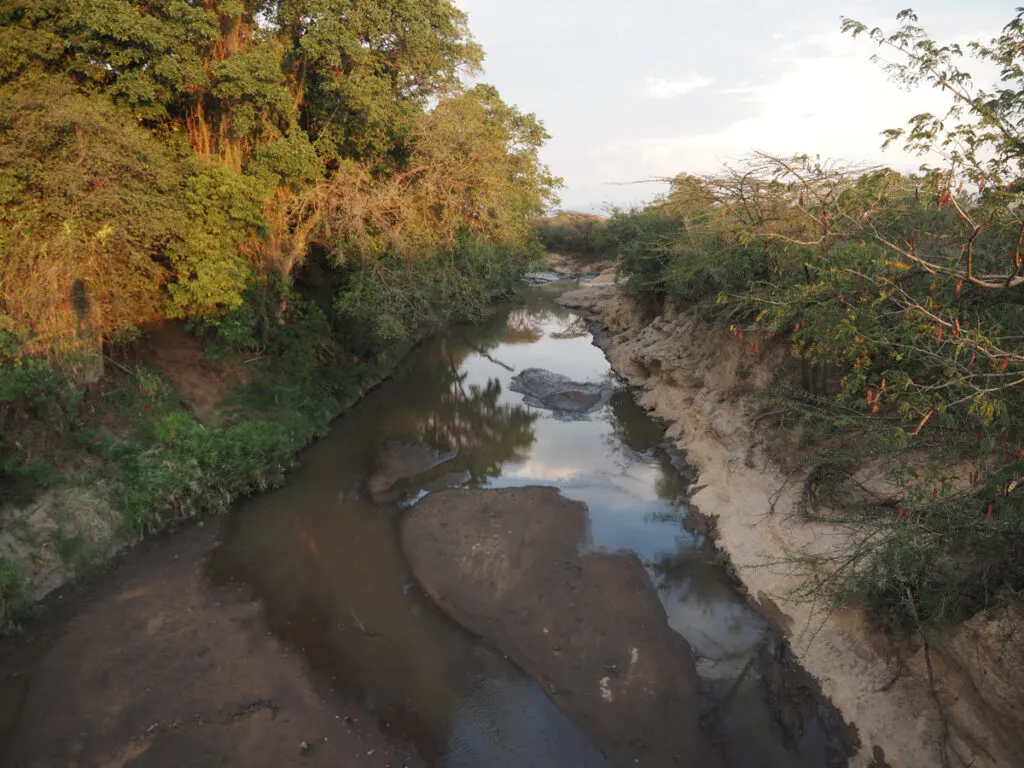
(689, 375)
(156, 667)
(506, 564)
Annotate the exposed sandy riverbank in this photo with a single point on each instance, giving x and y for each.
(703, 382)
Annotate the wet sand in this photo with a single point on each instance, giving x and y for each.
(153, 666)
(507, 565)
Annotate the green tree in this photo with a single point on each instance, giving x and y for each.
(91, 211)
(275, 126)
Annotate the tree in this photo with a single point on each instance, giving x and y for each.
(91, 211)
(274, 126)
(980, 140)
(473, 168)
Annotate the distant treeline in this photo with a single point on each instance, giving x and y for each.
(571, 233)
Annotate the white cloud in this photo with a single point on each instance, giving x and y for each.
(833, 102)
(666, 87)
(660, 88)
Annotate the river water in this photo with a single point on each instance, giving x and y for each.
(326, 562)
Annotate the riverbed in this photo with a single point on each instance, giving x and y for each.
(318, 588)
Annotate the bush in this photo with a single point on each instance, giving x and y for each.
(37, 406)
(578, 234)
(910, 358)
(664, 257)
(15, 602)
(390, 300)
(190, 470)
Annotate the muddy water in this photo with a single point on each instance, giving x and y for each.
(325, 560)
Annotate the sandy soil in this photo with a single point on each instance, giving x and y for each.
(157, 668)
(690, 376)
(180, 356)
(506, 565)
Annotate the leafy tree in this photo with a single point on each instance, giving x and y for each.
(91, 210)
(980, 141)
(363, 72)
(473, 168)
(274, 127)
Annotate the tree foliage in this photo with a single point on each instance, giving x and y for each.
(159, 158)
(569, 232)
(901, 296)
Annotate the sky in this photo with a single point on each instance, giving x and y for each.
(645, 89)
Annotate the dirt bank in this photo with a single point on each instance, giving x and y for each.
(506, 565)
(703, 381)
(158, 668)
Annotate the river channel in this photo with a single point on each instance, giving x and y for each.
(324, 562)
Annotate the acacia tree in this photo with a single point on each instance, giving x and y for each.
(906, 289)
(979, 139)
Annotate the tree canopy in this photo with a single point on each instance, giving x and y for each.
(159, 158)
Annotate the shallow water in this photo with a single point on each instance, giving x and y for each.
(326, 561)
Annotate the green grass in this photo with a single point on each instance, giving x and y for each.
(15, 601)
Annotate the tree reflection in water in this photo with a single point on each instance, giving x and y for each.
(484, 432)
(327, 564)
(702, 606)
(573, 328)
(525, 326)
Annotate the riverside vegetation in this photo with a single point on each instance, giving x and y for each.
(899, 295)
(306, 186)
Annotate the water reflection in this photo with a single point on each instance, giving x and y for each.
(473, 422)
(326, 560)
(524, 327)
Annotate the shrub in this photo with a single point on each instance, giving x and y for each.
(578, 234)
(15, 601)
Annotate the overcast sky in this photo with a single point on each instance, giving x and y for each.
(634, 89)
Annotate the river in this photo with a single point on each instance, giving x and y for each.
(323, 561)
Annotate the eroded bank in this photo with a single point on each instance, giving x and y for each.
(704, 384)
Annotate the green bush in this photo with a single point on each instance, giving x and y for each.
(390, 300)
(664, 257)
(192, 470)
(38, 404)
(578, 234)
(887, 351)
(15, 601)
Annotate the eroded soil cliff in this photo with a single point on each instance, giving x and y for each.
(705, 383)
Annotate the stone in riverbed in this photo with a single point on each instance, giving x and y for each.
(568, 399)
(396, 463)
(590, 628)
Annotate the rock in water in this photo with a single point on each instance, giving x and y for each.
(589, 627)
(396, 463)
(566, 398)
